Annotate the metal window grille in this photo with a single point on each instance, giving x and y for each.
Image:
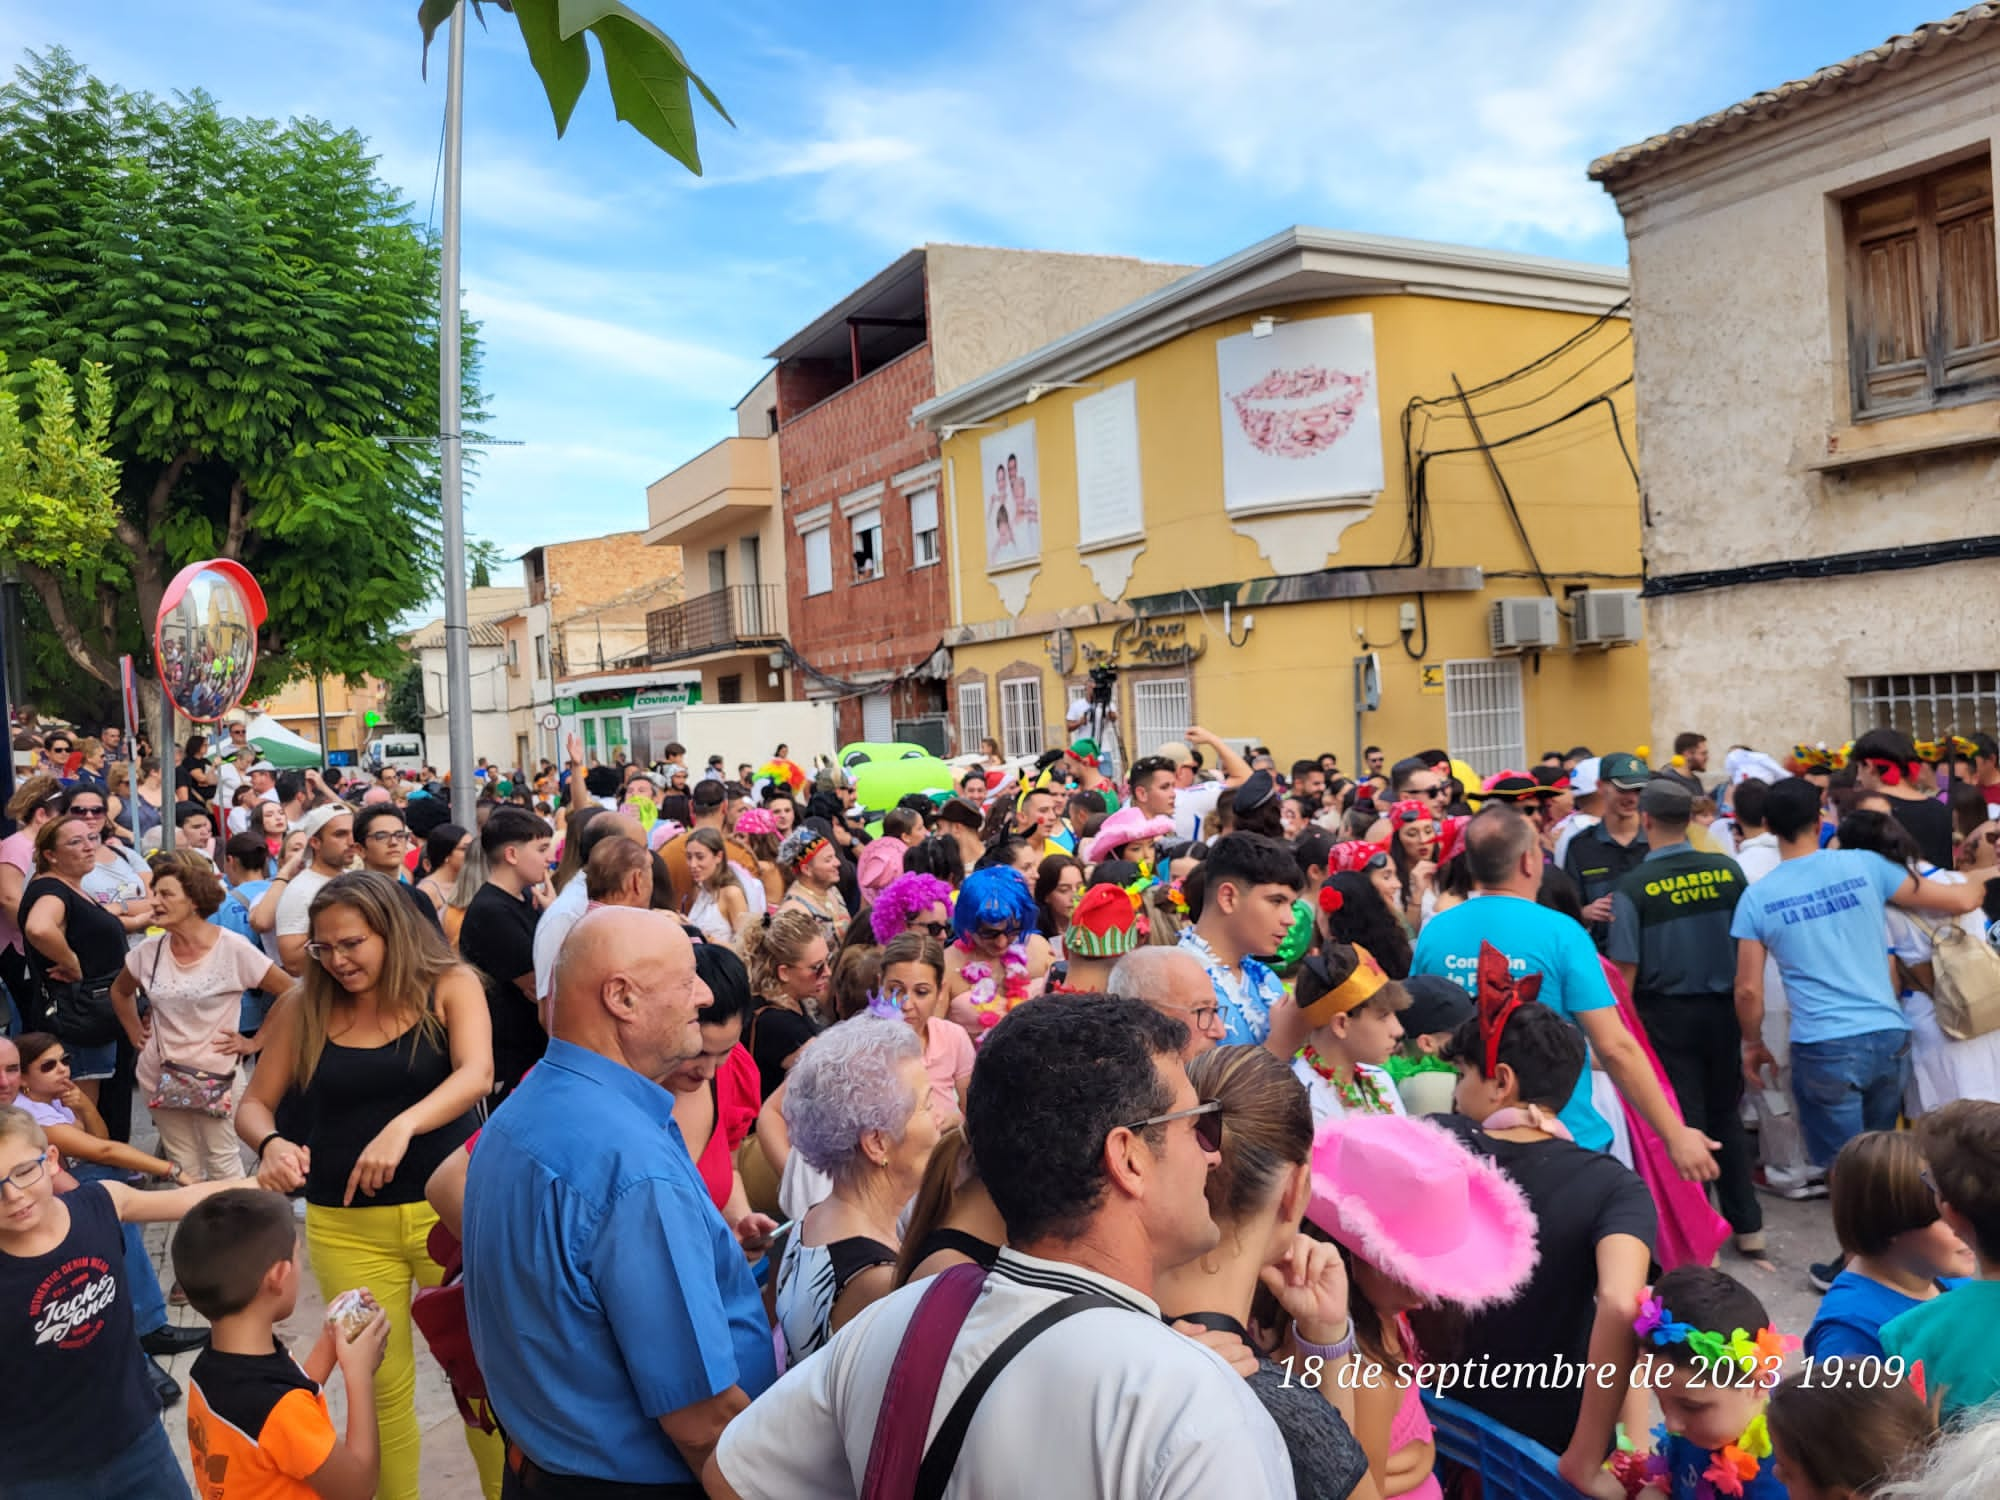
(1160, 712)
(971, 716)
(1021, 717)
(1483, 721)
(1926, 705)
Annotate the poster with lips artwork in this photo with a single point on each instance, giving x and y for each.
(1301, 414)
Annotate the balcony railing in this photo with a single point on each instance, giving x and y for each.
(746, 615)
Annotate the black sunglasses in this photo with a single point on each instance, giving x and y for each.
(938, 930)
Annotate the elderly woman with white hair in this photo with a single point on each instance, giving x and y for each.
(857, 1108)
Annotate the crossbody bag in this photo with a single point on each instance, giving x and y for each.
(181, 1086)
(900, 1467)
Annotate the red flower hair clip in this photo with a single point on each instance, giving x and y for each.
(1330, 900)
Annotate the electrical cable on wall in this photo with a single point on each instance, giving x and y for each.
(844, 688)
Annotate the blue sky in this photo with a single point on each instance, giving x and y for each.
(627, 305)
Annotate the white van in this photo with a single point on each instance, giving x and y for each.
(397, 752)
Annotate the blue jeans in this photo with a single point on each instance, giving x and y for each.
(1846, 1086)
(149, 1303)
(147, 1470)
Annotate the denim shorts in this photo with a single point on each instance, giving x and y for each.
(88, 1063)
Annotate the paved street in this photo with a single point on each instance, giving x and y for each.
(448, 1473)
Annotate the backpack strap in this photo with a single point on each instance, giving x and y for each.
(943, 1455)
(904, 1418)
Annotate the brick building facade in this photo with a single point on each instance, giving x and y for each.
(868, 564)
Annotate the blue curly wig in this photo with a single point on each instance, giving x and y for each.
(901, 899)
(994, 897)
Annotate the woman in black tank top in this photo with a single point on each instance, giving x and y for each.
(388, 1040)
(953, 1220)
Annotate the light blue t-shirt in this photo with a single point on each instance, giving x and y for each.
(1822, 918)
(1536, 940)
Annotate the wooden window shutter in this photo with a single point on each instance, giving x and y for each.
(1923, 293)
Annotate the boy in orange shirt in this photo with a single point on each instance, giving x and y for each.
(258, 1425)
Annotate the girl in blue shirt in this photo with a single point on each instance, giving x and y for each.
(1899, 1252)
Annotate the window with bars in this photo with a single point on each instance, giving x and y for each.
(1926, 705)
(971, 716)
(1021, 717)
(1160, 712)
(1483, 721)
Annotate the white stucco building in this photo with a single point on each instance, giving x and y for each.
(1817, 334)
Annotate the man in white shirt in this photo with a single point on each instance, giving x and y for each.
(572, 901)
(1589, 800)
(1094, 1149)
(1189, 806)
(329, 850)
(263, 778)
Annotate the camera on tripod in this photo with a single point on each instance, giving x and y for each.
(1103, 684)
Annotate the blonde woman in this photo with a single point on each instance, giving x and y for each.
(718, 905)
(789, 963)
(387, 1037)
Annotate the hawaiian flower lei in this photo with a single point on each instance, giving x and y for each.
(991, 997)
(1765, 1350)
(1360, 1091)
(1730, 1467)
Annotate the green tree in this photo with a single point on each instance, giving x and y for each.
(58, 482)
(404, 706)
(267, 310)
(646, 73)
(481, 558)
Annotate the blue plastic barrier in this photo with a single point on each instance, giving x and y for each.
(1510, 1467)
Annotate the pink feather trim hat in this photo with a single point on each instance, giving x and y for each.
(1409, 1198)
(1126, 826)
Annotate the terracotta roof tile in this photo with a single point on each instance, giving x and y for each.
(1926, 40)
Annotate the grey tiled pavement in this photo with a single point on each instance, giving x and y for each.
(448, 1473)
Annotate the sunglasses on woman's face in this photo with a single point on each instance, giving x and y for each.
(87, 812)
(50, 1064)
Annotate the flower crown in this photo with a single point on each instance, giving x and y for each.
(1766, 1349)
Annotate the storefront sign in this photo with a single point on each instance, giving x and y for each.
(666, 696)
(1154, 643)
(683, 695)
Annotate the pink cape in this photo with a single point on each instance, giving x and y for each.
(1691, 1231)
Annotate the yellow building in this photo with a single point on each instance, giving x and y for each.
(296, 706)
(1260, 486)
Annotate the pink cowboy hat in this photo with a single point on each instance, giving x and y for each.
(1127, 825)
(1409, 1198)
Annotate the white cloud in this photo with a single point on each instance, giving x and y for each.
(1090, 125)
(599, 347)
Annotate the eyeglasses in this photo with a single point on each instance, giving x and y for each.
(1431, 793)
(27, 1174)
(814, 969)
(1924, 1176)
(345, 948)
(88, 812)
(990, 934)
(938, 930)
(50, 1064)
(390, 836)
(1207, 1123)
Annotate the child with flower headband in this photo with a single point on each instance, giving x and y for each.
(997, 959)
(1710, 1356)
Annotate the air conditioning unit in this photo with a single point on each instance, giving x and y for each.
(1524, 624)
(1606, 617)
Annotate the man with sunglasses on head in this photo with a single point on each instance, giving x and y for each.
(1095, 1150)
(328, 850)
(384, 839)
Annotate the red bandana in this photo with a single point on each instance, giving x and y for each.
(1500, 995)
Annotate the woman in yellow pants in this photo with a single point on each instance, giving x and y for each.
(387, 1037)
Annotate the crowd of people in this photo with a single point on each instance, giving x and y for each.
(721, 1137)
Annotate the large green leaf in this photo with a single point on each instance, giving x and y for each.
(649, 90)
(563, 62)
(432, 14)
(584, 15)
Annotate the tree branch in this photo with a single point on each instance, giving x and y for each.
(163, 489)
(232, 539)
(48, 588)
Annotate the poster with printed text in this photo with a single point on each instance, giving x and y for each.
(1301, 415)
(1011, 483)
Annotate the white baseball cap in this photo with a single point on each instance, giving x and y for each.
(1583, 779)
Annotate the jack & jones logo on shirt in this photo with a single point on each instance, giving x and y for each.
(68, 1308)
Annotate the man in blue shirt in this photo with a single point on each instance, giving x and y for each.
(1504, 857)
(1820, 915)
(614, 1318)
(1249, 885)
